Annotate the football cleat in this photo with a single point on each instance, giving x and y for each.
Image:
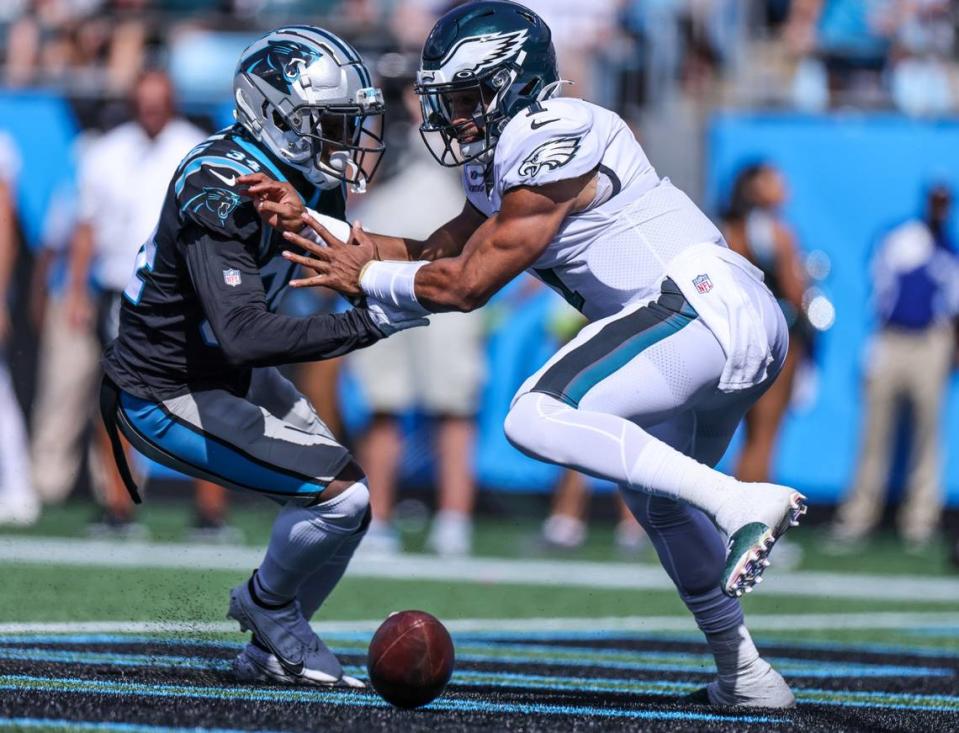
(750, 545)
(287, 635)
(257, 664)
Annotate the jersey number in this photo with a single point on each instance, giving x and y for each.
(144, 264)
(550, 277)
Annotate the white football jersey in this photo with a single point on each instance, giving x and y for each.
(614, 252)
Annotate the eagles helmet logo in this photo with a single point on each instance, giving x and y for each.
(476, 54)
(550, 155)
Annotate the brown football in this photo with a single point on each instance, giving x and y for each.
(410, 659)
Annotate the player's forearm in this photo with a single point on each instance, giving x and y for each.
(444, 286)
(254, 337)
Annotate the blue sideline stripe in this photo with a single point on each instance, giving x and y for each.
(354, 699)
(47, 723)
(193, 448)
(667, 662)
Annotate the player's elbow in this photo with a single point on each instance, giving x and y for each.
(238, 352)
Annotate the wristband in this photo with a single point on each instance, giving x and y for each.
(392, 282)
(337, 227)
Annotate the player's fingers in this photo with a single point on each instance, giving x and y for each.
(304, 243)
(310, 282)
(321, 230)
(314, 263)
(274, 207)
(249, 179)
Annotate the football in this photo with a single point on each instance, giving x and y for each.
(410, 659)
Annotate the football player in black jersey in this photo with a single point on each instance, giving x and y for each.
(191, 381)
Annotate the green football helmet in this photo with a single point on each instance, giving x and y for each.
(483, 63)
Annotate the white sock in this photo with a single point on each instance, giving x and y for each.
(734, 652)
(613, 448)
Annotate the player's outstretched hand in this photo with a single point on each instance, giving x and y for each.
(277, 202)
(338, 264)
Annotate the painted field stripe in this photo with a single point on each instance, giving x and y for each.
(353, 699)
(612, 575)
(607, 624)
(561, 657)
(62, 724)
(340, 638)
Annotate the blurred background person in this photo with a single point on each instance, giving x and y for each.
(754, 227)
(439, 371)
(916, 288)
(18, 502)
(123, 178)
(566, 527)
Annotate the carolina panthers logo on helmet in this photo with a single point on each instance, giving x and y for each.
(551, 154)
(281, 63)
(476, 54)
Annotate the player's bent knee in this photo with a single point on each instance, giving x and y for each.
(527, 427)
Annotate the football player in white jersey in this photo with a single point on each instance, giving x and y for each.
(684, 337)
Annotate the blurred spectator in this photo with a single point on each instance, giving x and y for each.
(753, 227)
(91, 42)
(925, 37)
(438, 369)
(916, 280)
(565, 528)
(18, 503)
(62, 404)
(123, 179)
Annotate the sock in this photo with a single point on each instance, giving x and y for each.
(735, 654)
(305, 538)
(613, 448)
(316, 589)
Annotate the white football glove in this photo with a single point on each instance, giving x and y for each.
(389, 318)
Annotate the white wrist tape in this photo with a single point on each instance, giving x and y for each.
(392, 282)
(338, 228)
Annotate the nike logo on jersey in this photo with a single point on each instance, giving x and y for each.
(536, 124)
(227, 181)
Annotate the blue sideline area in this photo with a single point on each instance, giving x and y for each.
(851, 177)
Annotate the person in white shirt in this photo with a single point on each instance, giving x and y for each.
(123, 179)
(18, 502)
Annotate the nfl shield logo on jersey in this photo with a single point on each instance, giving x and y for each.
(703, 283)
(232, 278)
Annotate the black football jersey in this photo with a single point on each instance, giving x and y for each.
(199, 310)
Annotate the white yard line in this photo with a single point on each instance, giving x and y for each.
(610, 575)
(757, 622)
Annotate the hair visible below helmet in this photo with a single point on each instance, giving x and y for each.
(500, 52)
(306, 95)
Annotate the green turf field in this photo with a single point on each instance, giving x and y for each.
(123, 636)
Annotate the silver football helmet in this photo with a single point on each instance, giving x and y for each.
(306, 95)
